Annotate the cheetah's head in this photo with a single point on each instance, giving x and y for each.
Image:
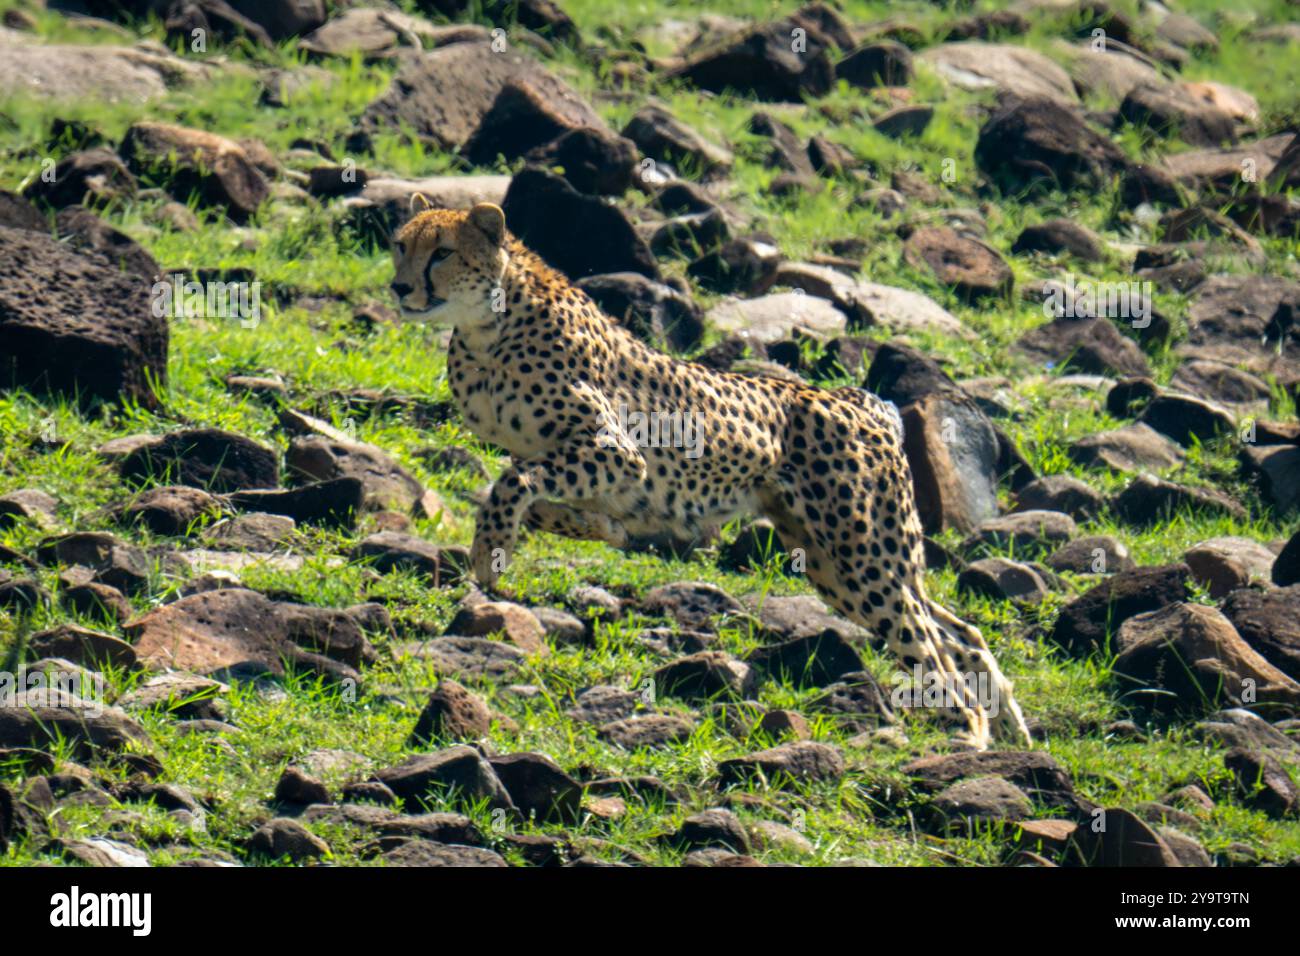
(449, 262)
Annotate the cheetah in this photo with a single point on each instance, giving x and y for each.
(537, 369)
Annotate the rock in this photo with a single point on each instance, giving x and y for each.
(1035, 773)
(1060, 493)
(662, 137)
(513, 622)
(1129, 396)
(82, 230)
(1121, 838)
(1193, 653)
(217, 169)
(1219, 382)
(1087, 623)
(799, 762)
(802, 616)
(857, 703)
(1003, 67)
(972, 268)
(1099, 554)
(389, 551)
(761, 63)
(1041, 142)
(903, 121)
(468, 658)
(371, 31)
(1186, 419)
(648, 731)
(46, 345)
(102, 72)
(538, 787)
(1237, 727)
(887, 63)
(1111, 73)
(96, 600)
(693, 605)
(1276, 471)
(1133, 448)
(1024, 531)
(83, 646)
(443, 95)
(92, 177)
(242, 632)
(29, 505)
(954, 454)
(253, 532)
(1263, 782)
(981, 799)
(283, 837)
(869, 304)
(747, 265)
(596, 238)
(1243, 309)
(386, 484)
(334, 503)
(703, 676)
(46, 717)
(425, 853)
(184, 696)
(113, 562)
(1286, 570)
(652, 311)
(384, 204)
(295, 786)
(208, 458)
(171, 510)
(776, 316)
(1093, 346)
(1225, 564)
(21, 595)
(102, 852)
(1147, 500)
(451, 714)
(712, 828)
(811, 661)
(1001, 579)
(1170, 110)
(1269, 621)
(459, 769)
(1061, 235)
(523, 117)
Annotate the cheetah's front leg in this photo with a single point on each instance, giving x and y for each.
(596, 458)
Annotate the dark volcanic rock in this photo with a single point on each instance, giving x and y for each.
(208, 458)
(1038, 141)
(1090, 620)
(762, 63)
(577, 234)
(76, 325)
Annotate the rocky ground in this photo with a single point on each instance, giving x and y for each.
(1060, 236)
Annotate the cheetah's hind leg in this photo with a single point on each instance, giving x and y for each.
(1008, 721)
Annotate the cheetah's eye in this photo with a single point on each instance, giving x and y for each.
(439, 255)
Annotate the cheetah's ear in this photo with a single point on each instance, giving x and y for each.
(419, 203)
(490, 220)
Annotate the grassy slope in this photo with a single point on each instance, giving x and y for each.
(866, 815)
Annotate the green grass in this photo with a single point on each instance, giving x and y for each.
(296, 248)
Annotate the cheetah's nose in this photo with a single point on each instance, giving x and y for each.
(401, 289)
